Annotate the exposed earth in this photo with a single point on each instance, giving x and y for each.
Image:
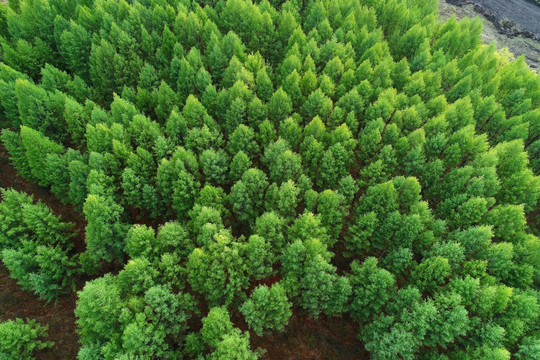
(524, 14)
(512, 24)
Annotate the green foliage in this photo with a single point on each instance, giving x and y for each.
(372, 288)
(267, 309)
(37, 147)
(117, 316)
(17, 153)
(247, 195)
(104, 233)
(310, 278)
(222, 339)
(377, 162)
(220, 270)
(35, 246)
(20, 339)
(215, 325)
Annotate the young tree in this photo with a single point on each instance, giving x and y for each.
(310, 278)
(224, 340)
(219, 270)
(37, 145)
(75, 45)
(247, 195)
(267, 309)
(185, 190)
(35, 246)
(239, 165)
(372, 289)
(330, 206)
(279, 106)
(260, 257)
(104, 233)
(98, 313)
(22, 339)
(215, 166)
(17, 153)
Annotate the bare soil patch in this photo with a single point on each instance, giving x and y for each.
(519, 38)
(59, 316)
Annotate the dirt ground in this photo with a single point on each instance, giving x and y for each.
(309, 339)
(522, 13)
(518, 45)
(16, 303)
(59, 316)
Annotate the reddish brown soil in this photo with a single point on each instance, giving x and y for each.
(309, 339)
(16, 303)
(10, 179)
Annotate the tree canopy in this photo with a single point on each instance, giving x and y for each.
(239, 161)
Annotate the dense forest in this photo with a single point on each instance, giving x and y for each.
(240, 161)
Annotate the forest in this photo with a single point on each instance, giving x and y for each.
(239, 163)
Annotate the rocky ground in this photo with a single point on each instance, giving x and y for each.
(512, 24)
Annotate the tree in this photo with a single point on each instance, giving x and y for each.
(76, 117)
(267, 309)
(372, 289)
(215, 325)
(515, 177)
(21, 339)
(78, 173)
(35, 246)
(239, 165)
(431, 273)
(247, 195)
(40, 110)
(330, 207)
(215, 166)
(36, 146)
(165, 101)
(272, 227)
(310, 278)
(265, 88)
(260, 257)
(45, 270)
(17, 153)
(98, 311)
(140, 241)
(219, 270)
(234, 346)
(279, 106)
(185, 190)
(101, 69)
(104, 233)
(288, 199)
(226, 341)
(242, 139)
(75, 45)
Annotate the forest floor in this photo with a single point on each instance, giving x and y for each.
(16, 303)
(512, 24)
(59, 316)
